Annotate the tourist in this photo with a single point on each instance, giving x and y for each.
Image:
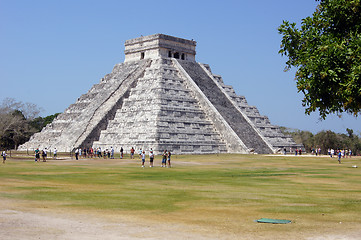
(121, 152)
(111, 153)
(84, 152)
(100, 152)
(164, 158)
(3, 154)
(143, 158)
(132, 150)
(44, 154)
(37, 155)
(169, 154)
(55, 153)
(76, 154)
(151, 158)
(90, 152)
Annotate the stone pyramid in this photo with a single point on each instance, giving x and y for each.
(161, 98)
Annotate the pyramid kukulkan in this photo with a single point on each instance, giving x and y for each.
(161, 98)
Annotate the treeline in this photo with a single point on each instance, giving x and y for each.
(19, 121)
(326, 140)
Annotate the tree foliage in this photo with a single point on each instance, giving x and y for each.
(326, 51)
(326, 140)
(18, 121)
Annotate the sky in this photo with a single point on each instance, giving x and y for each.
(51, 52)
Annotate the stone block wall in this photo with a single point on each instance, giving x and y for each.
(271, 133)
(161, 113)
(231, 114)
(71, 128)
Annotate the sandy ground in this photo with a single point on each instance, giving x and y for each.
(16, 222)
(19, 222)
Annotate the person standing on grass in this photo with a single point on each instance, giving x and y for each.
(132, 153)
(151, 158)
(169, 154)
(164, 158)
(55, 153)
(111, 153)
(339, 156)
(3, 154)
(84, 153)
(77, 154)
(121, 152)
(143, 158)
(37, 155)
(44, 154)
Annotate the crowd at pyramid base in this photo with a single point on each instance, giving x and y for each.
(161, 98)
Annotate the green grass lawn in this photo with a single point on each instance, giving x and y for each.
(217, 191)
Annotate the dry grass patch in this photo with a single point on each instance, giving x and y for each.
(220, 194)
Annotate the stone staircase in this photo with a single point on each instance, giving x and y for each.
(161, 113)
(271, 133)
(225, 107)
(82, 121)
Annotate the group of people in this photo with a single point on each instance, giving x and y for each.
(44, 154)
(316, 151)
(166, 156)
(340, 153)
(109, 153)
(297, 151)
(95, 152)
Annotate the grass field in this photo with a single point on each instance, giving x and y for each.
(215, 193)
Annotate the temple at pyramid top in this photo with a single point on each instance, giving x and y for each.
(159, 45)
(160, 98)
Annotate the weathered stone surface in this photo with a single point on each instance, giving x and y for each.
(232, 115)
(161, 98)
(271, 133)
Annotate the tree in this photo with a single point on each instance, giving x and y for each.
(18, 121)
(39, 123)
(14, 122)
(327, 54)
(325, 140)
(300, 137)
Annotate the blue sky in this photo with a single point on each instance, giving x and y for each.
(51, 51)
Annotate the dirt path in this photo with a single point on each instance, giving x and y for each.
(18, 222)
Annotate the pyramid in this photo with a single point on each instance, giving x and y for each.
(161, 98)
